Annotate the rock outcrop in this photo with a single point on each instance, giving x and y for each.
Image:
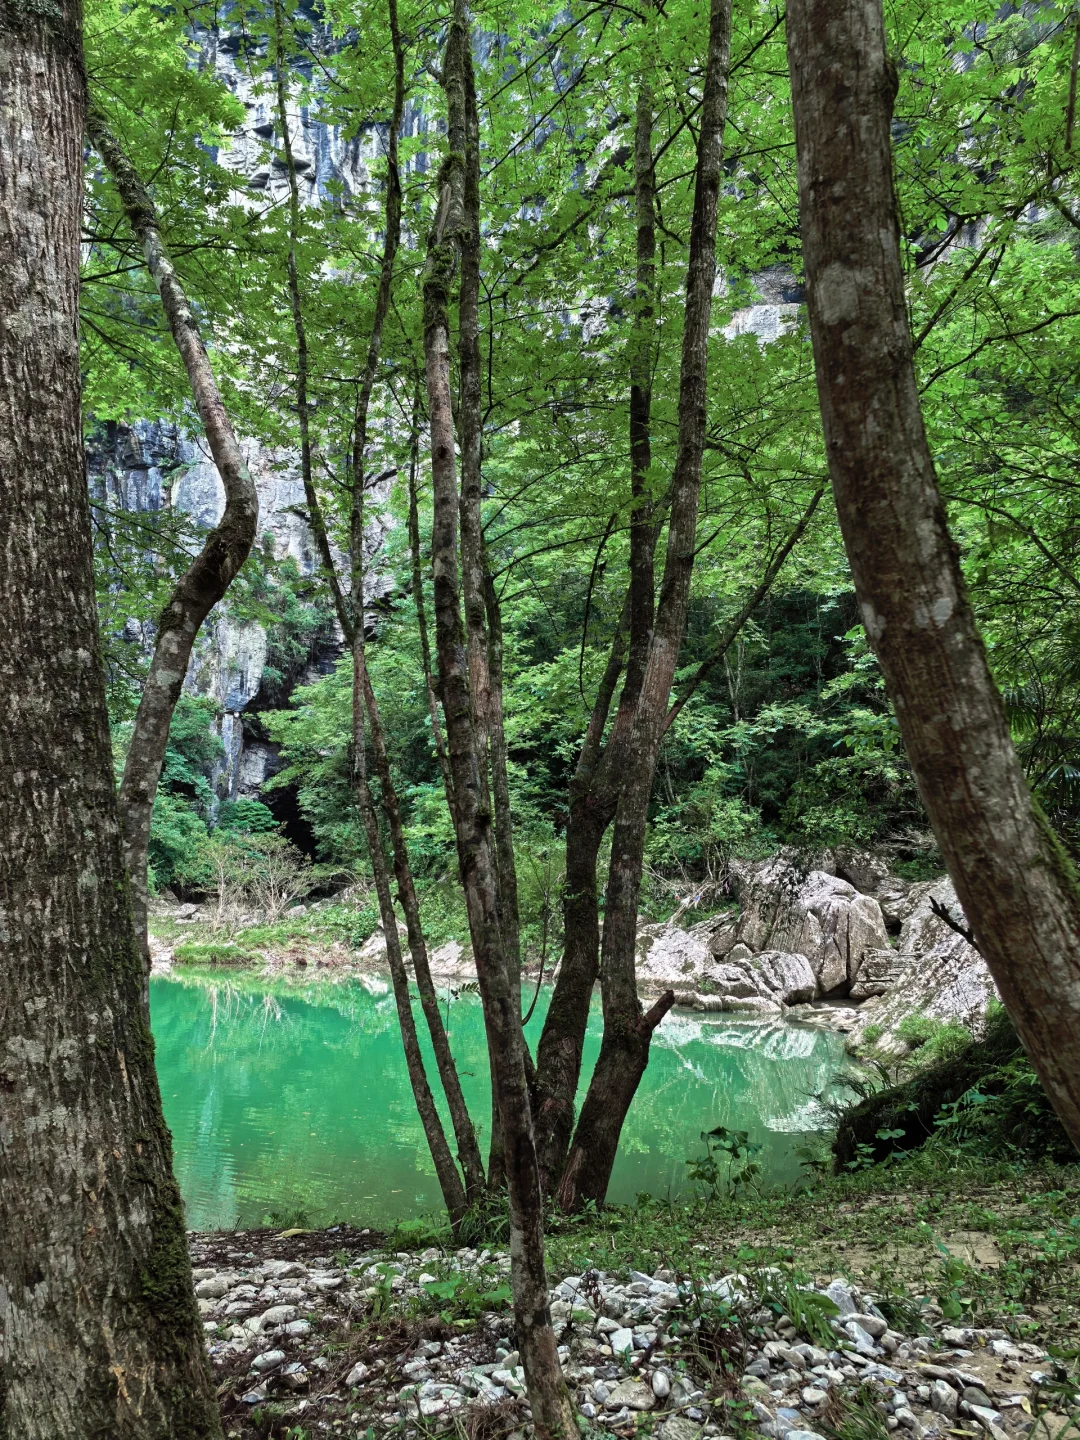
(802, 938)
(943, 977)
(819, 916)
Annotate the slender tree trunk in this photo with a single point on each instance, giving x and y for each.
(483, 622)
(553, 1412)
(449, 1180)
(624, 1051)
(1018, 887)
(224, 550)
(351, 618)
(99, 1330)
(600, 771)
(421, 615)
(315, 517)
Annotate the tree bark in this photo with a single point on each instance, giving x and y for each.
(224, 550)
(1018, 887)
(99, 1330)
(483, 621)
(600, 771)
(421, 613)
(449, 1180)
(624, 1051)
(553, 1411)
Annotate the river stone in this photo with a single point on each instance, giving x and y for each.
(661, 1384)
(872, 1324)
(634, 1394)
(215, 1287)
(975, 1395)
(268, 1360)
(621, 1341)
(944, 1399)
(677, 1427)
(276, 1315)
(985, 1415)
(840, 1293)
(283, 1269)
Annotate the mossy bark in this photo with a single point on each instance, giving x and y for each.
(101, 1332)
(1018, 888)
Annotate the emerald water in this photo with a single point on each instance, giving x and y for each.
(290, 1100)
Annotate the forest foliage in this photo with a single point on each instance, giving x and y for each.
(790, 740)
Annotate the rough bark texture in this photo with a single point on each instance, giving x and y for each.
(624, 1051)
(224, 550)
(553, 1411)
(1017, 886)
(99, 1331)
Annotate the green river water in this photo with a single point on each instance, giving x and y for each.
(289, 1099)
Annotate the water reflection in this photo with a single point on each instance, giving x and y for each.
(285, 1097)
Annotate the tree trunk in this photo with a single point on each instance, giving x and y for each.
(1018, 887)
(483, 622)
(421, 615)
(449, 1180)
(627, 1032)
(600, 771)
(101, 1333)
(553, 1412)
(224, 550)
(351, 619)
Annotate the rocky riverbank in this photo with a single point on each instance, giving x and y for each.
(337, 1331)
(843, 944)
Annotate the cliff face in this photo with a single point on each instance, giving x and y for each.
(149, 467)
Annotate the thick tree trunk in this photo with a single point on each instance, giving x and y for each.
(224, 550)
(99, 1330)
(627, 1032)
(1018, 888)
(553, 1412)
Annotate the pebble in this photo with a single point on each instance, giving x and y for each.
(633, 1394)
(268, 1360)
(944, 1399)
(785, 1382)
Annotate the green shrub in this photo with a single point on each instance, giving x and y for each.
(246, 817)
(214, 953)
(179, 845)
